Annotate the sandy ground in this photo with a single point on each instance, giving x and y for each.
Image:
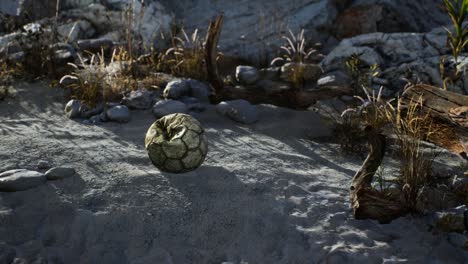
(267, 193)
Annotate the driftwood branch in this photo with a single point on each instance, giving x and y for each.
(366, 202)
(211, 54)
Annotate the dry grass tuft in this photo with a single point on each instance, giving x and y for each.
(295, 49)
(186, 57)
(95, 81)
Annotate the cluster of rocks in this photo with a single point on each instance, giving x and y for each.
(400, 58)
(82, 26)
(186, 96)
(24, 179)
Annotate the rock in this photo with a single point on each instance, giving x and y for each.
(139, 99)
(179, 88)
(334, 78)
(270, 86)
(176, 143)
(72, 109)
(238, 110)
(86, 112)
(10, 44)
(32, 9)
(43, 165)
(58, 173)
(169, 106)
(16, 57)
(327, 21)
(62, 57)
(272, 73)
(103, 117)
(94, 45)
(199, 90)
(247, 75)
(460, 188)
(96, 120)
(303, 71)
(401, 57)
(80, 29)
(32, 28)
(176, 89)
(20, 180)
(119, 113)
(151, 19)
(193, 104)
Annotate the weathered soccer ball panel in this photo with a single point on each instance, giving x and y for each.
(172, 165)
(193, 158)
(204, 145)
(174, 149)
(156, 155)
(176, 143)
(191, 139)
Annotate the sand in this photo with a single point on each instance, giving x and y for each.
(272, 192)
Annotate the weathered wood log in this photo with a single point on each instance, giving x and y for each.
(366, 202)
(211, 54)
(292, 98)
(448, 112)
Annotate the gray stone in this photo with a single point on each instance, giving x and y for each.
(271, 73)
(139, 99)
(16, 57)
(95, 120)
(119, 113)
(176, 89)
(270, 86)
(199, 90)
(43, 165)
(169, 106)
(401, 57)
(86, 112)
(94, 45)
(247, 74)
(179, 88)
(238, 110)
(193, 104)
(20, 180)
(58, 173)
(335, 78)
(32, 28)
(103, 117)
(32, 9)
(250, 35)
(307, 72)
(80, 29)
(151, 19)
(72, 109)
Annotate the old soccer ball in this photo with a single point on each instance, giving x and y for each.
(176, 143)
